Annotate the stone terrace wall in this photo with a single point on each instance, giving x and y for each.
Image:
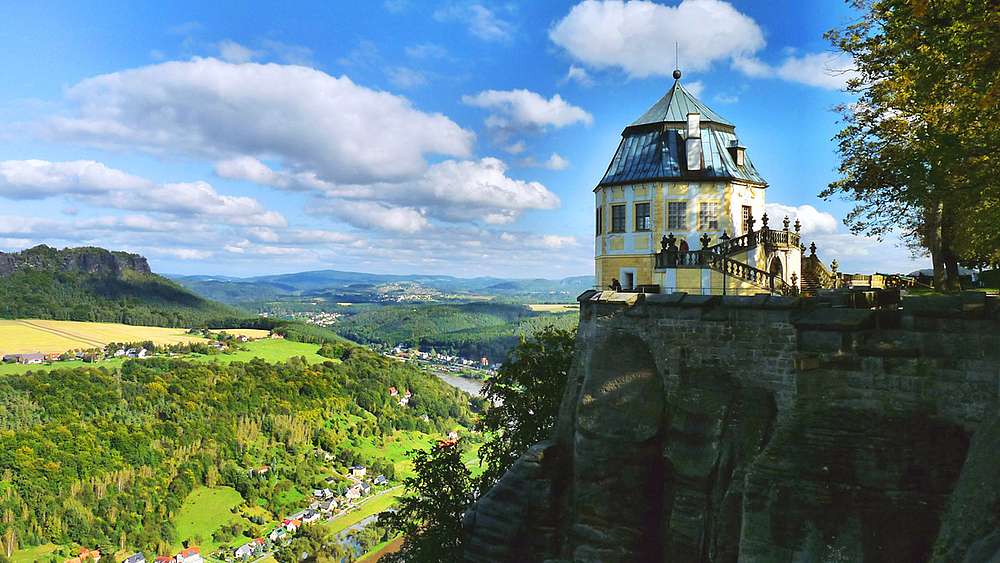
(761, 430)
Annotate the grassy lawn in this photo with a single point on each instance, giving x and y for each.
(291, 496)
(395, 448)
(370, 508)
(37, 553)
(204, 511)
(273, 350)
(269, 350)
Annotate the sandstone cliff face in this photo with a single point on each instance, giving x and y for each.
(699, 429)
(86, 260)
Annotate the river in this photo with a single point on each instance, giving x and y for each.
(471, 386)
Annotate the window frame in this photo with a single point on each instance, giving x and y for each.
(708, 213)
(648, 217)
(600, 221)
(616, 226)
(681, 216)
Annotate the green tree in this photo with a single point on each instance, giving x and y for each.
(524, 399)
(430, 516)
(918, 150)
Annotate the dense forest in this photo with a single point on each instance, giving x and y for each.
(470, 330)
(105, 457)
(129, 297)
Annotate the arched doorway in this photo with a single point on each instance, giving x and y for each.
(775, 270)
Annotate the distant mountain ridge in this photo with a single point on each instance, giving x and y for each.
(317, 282)
(84, 260)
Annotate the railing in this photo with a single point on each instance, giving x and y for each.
(774, 238)
(709, 259)
(735, 244)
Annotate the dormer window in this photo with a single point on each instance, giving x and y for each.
(736, 152)
(693, 141)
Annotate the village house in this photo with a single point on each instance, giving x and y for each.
(244, 551)
(292, 525)
(85, 556)
(136, 558)
(163, 559)
(358, 471)
(353, 493)
(365, 489)
(310, 516)
(278, 534)
(380, 480)
(328, 505)
(189, 555)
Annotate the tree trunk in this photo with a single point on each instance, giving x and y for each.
(952, 282)
(932, 240)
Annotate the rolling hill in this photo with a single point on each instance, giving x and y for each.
(94, 284)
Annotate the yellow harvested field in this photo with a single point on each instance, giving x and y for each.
(248, 332)
(28, 336)
(553, 307)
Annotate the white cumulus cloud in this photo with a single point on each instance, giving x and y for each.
(523, 109)
(812, 219)
(638, 36)
(451, 191)
(300, 116)
(101, 186)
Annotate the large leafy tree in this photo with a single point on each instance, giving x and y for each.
(430, 515)
(918, 150)
(524, 396)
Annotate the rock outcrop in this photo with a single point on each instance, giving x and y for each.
(84, 260)
(707, 429)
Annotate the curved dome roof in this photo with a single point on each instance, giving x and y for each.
(652, 146)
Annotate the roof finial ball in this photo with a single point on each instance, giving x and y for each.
(677, 74)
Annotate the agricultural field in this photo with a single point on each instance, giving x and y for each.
(28, 336)
(553, 307)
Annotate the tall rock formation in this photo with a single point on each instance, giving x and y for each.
(760, 429)
(84, 260)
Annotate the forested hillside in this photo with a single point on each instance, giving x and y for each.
(105, 458)
(93, 284)
(470, 330)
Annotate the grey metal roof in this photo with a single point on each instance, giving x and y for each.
(649, 152)
(675, 106)
(659, 154)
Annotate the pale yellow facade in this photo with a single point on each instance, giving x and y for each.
(625, 251)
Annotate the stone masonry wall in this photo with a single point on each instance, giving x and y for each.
(758, 429)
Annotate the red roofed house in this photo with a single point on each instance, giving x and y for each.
(189, 555)
(85, 554)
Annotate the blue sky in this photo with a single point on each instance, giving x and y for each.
(459, 138)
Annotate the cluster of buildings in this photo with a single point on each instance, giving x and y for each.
(446, 362)
(187, 555)
(322, 318)
(326, 502)
(128, 352)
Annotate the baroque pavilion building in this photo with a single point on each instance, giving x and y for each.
(681, 208)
